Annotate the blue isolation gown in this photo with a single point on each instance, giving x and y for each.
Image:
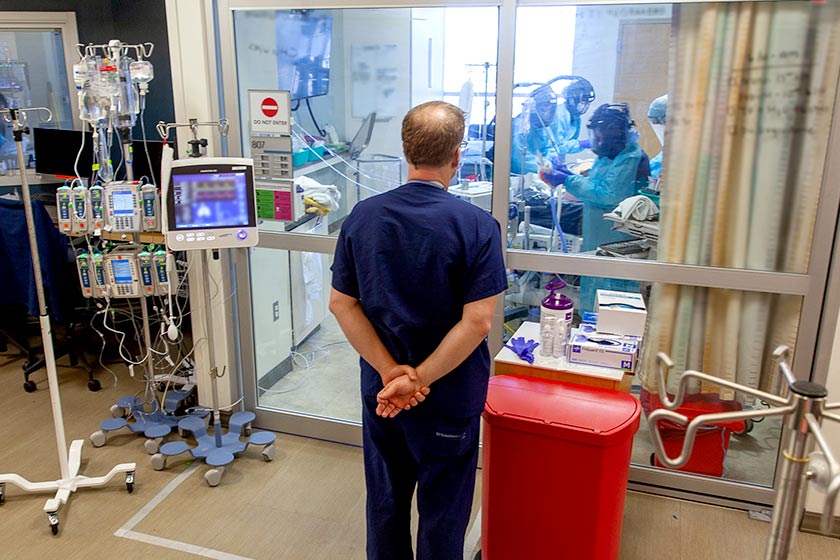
(656, 165)
(609, 182)
(559, 138)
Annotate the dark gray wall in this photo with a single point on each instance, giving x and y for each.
(131, 21)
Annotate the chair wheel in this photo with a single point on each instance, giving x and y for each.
(30, 386)
(94, 385)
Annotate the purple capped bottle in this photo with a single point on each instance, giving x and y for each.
(556, 312)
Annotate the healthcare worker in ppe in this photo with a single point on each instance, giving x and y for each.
(546, 129)
(656, 116)
(622, 168)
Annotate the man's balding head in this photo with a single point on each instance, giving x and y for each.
(432, 133)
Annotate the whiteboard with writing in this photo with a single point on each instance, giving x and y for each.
(375, 71)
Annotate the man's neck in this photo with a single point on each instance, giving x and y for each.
(442, 176)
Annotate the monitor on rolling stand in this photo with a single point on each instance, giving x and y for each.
(211, 204)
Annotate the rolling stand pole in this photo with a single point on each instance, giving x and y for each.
(211, 351)
(69, 460)
(43, 316)
(148, 371)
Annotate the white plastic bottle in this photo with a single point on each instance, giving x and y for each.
(556, 312)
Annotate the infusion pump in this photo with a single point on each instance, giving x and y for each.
(127, 271)
(122, 271)
(120, 206)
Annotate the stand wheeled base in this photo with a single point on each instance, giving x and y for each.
(219, 449)
(66, 486)
(155, 425)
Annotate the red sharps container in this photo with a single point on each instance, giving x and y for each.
(555, 462)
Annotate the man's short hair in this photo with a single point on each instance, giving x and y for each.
(432, 133)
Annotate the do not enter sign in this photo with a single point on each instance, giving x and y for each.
(270, 112)
(269, 107)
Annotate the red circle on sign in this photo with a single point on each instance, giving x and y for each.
(269, 107)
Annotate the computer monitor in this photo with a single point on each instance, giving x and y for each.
(211, 204)
(56, 150)
(362, 138)
(303, 52)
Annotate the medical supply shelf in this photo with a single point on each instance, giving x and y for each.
(557, 369)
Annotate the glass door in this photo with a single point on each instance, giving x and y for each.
(352, 74)
(727, 108)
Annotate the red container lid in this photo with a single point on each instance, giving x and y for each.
(589, 415)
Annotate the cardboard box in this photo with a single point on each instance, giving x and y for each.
(621, 353)
(620, 313)
(592, 332)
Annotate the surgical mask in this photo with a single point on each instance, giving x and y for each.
(659, 130)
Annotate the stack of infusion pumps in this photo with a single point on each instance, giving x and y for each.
(126, 271)
(120, 206)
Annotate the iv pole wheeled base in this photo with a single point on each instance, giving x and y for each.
(67, 485)
(69, 462)
(803, 406)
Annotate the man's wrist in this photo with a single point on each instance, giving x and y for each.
(422, 376)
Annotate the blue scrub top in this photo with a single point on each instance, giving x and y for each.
(413, 257)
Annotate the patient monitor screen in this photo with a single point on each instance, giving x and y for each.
(211, 200)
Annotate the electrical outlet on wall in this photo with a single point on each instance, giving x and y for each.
(276, 307)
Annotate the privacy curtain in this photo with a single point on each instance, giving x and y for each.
(751, 95)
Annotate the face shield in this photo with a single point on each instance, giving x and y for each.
(581, 107)
(578, 95)
(656, 116)
(608, 142)
(609, 127)
(544, 107)
(659, 130)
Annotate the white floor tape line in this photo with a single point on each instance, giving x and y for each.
(145, 510)
(183, 547)
(126, 531)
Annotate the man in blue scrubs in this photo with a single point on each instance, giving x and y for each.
(416, 278)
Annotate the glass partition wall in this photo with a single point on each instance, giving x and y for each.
(675, 150)
(353, 74)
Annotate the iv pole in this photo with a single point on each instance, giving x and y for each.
(486, 66)
(803, 406)
(221, 449)
(69, 463)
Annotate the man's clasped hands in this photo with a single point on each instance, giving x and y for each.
(403, 390)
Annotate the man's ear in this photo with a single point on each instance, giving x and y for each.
(456, 161)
